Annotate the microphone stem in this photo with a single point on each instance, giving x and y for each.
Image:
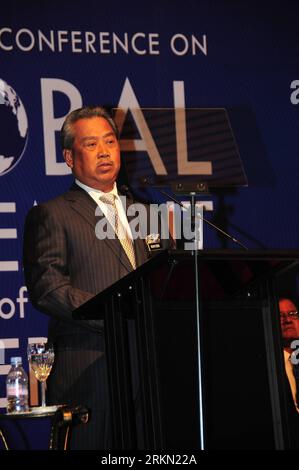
(205, 220)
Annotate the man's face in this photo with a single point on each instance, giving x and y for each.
(289, 323)
(95, 155)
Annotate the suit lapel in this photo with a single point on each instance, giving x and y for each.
(83, 204)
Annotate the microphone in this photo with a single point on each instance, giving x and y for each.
(145, 180)
(125, 190)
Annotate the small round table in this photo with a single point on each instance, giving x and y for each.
(63, 418)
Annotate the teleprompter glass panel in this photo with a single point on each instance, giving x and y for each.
(167, 145)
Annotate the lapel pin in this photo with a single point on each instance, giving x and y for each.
(153, 241)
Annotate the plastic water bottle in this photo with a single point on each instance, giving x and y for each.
(17, 387)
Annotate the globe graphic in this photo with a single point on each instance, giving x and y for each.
(14, 128)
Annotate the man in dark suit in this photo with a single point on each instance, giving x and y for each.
(289, 320)
(66, 263)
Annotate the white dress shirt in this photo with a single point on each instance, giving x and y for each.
(96, 194)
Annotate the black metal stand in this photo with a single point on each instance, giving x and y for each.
(63, 419)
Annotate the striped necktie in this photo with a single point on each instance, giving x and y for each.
(122, 235)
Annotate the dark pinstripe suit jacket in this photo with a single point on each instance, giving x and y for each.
(65, 264)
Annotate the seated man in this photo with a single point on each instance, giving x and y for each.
(289, 320)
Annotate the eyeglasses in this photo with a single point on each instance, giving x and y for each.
(294, 315)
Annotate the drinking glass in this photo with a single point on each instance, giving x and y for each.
(41, 358)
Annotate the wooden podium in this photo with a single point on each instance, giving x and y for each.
(194, 351)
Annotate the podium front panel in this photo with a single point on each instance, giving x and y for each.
(241, 352)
